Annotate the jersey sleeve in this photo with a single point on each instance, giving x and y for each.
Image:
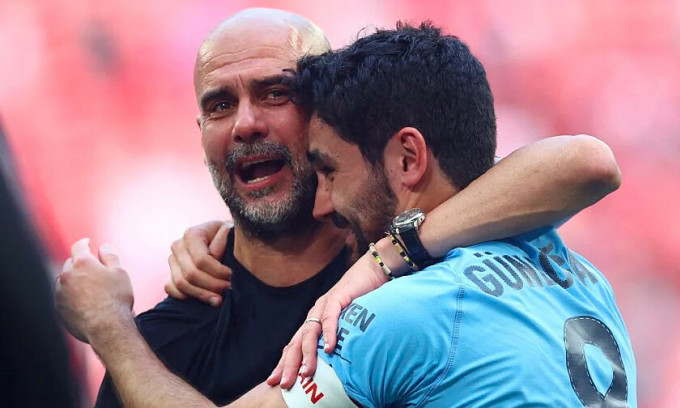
(397, 343)
(323, 390)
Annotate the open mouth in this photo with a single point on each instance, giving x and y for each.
(256, 170)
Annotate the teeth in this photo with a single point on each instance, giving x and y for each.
(247, 165)
(256, 180)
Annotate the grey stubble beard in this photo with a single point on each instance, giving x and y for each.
(267, 221)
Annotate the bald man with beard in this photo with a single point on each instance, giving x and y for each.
(255, 139)
(282, 259)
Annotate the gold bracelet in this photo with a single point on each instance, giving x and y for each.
(374, 252)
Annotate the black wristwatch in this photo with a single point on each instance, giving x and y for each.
(405, 228)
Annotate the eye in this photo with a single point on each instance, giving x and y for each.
(221, 106)
(326, 172)
(277, 95)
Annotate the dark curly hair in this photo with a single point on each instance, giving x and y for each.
(410, 76)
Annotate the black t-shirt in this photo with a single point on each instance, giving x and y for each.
(224, 352)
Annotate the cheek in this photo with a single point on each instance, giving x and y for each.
(337, 200)
(215, 141)
(290, 125)
(342, 197)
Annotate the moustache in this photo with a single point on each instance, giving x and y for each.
(241, 151)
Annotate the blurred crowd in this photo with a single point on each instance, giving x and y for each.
(98, 106)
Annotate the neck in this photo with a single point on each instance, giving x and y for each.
(291, 258)
(432, 190)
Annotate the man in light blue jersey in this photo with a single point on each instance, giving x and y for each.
(401, 121)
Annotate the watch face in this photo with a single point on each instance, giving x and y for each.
(409, 217)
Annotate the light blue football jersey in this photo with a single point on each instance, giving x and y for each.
(523, 322)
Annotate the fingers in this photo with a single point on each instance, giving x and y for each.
(275, 377)
(65, 272)
(194, 256)
(68, 265)
(208, 229)
(329, 323)
(309, 345)
(292, 358)
(82, 259)
(180, 286)
(195, 268)
(300, 353)
(310, 332)
(90, 291)
(172, 291)
(81, 248)
(219, 242)
(199, 249)
(108, 257)
(80, 252)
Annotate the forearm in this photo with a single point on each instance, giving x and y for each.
(537, 185)
(140, 378)
(262, 396)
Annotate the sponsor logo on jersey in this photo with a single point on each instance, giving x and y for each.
(311, 388)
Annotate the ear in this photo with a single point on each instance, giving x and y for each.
(198, 122)
(406, 156)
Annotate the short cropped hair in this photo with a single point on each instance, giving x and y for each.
(410, 76)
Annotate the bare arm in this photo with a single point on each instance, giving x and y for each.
(262, 396)
(94, 298)
(143, 381)
(140, 377)
(537, 185)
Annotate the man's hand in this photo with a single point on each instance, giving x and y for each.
(91, 292)
(195, 267)
(300, 353)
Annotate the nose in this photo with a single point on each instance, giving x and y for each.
(323, 206)
(249, 124)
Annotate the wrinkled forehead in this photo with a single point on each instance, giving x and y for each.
(278, 45)
(279, 40)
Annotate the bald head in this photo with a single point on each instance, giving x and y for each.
(293, 34)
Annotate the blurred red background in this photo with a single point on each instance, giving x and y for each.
(98, 103)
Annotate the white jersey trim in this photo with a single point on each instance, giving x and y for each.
(324, 390)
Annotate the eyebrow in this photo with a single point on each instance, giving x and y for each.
(225, 92)
(272, 80)
(317, 158)
(207, 98)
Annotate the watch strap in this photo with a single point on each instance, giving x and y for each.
(414, 247)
